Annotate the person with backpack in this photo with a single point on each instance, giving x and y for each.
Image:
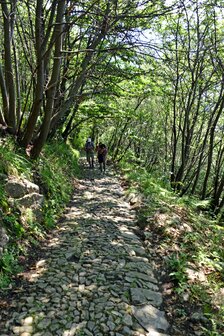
(89, 148)
(101, 155)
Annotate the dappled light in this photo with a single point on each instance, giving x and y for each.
(137, 87)
(94, 275)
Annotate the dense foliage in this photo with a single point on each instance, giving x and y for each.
(146, 76)
(57, 54)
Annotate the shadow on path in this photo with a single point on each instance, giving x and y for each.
(95, 278)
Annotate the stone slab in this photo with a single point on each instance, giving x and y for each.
(142, 296)
(150, 318)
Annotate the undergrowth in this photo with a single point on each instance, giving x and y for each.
(54, 172)
(190, 242)
(57, 168)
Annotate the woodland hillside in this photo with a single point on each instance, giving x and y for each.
(147, 79)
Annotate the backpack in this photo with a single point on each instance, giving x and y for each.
(89, 146)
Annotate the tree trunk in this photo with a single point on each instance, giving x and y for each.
(118, 145)
(211, 144)
(174, 126)
(69, 128)
(81, 78)
(9, 78)
(18, 106)
(35, 111)
(5, 101)
(39, 142)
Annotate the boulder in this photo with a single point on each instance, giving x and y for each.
(15, 189)
(33, 201)
(31, 187)
(18, 188)
(25, 195)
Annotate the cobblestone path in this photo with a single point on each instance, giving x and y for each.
(95, 278)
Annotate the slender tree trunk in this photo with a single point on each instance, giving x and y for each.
(211, 145)
(216, 196)
(122, 133)
(221, 204)
(5, 101)
(219, 164)
(18, 105)
(66, 105)
(125, 151)
(68, 128)
(2, 120)
(112, 141)
(197, 173)
(174, 129)
(93, 43)
(39, 142)
(38, 98)
(9, 77)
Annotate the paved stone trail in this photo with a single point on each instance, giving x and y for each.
(95, 278)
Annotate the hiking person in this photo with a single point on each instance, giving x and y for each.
(89, 148)
(101, 155)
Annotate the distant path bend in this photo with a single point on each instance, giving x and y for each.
(95, 278)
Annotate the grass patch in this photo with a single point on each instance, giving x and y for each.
(13, 161)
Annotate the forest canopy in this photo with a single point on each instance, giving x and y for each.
(147, 76)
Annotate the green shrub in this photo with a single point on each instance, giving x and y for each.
(178, 264)
(8, 267)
